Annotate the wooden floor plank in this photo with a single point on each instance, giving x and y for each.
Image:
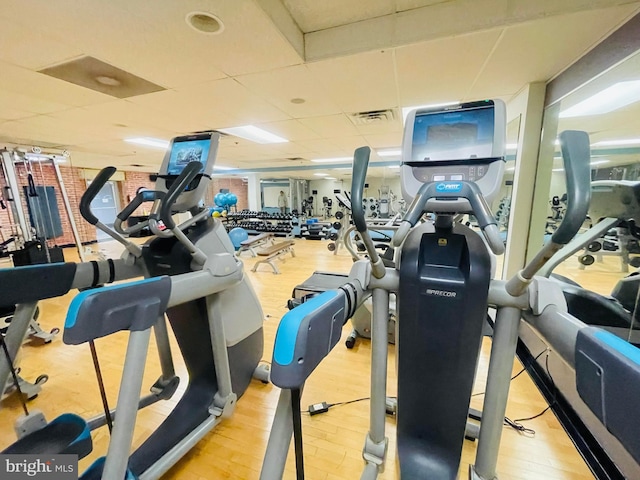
(333, 441)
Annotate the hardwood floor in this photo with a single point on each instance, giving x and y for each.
(333, 441)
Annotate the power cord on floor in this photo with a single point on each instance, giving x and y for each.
(324, 407)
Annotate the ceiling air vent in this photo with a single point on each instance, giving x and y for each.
(372, 117)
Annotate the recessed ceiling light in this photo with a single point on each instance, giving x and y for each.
(332, 160)
(394, 166)
(297, 100)
(205, 23)
(108, 81)
(148, 142)
(406, 110)
(330, 178)
(254, 134)
(511, 146)
(558, 170)
(612, 98)
(599, 162)
(321, 174)
(222, 167)
(605, 143)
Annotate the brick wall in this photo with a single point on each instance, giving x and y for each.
(132, 182)
(76, 185)
(234, 185)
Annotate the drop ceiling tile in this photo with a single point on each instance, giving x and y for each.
(523, 54)
(42, 87)
(311, 15)
(280, 86)
(441, 70)
(330, 126)
(292, 130)
(384, 140)
(360, 82)
(28, 45)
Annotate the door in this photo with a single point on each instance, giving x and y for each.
(105, 207)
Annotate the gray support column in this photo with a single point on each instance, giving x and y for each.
(12, 182)
(503, 349)
(164, 349)
(275, 456)
(67, 207)
(379, 342)
(127, 407)
(16, 334)
(224, 398)
(529, 103)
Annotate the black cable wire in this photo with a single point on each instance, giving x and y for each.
(103, 393)
(517, 374)
(337, 404)
(14, 374)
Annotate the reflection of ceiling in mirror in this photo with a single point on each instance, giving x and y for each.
(623, 123)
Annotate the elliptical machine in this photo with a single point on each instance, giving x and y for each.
(446, 270)
(212, 308)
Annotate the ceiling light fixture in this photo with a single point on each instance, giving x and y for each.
(222, 167)
(148, 142)
(332, 160)
(254, 134)
(330, 178)
(108, 81)
(205, 23)
(406, 110)
(511, 146)
(607, 143)
(599, 162)
(393, 166)
(389, 152)
(612, 98)
(321, 174)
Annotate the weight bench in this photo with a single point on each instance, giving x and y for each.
(274, 251)
(250, 244)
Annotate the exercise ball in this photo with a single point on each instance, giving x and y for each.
(219, 199)
(237, 236)
(231, 199)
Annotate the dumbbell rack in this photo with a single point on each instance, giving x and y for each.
(260, 222)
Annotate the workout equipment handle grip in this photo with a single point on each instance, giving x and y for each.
(360, 164)
(186, 177)
(576, 153)
(87, 197)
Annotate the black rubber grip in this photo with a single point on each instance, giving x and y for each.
(35, 282)
(139, 199)
(360, 164)
(96, 273)
(87, 197)
(177, 187)
(576, 153)
(112, 271)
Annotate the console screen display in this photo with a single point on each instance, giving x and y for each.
(452, 135)
(182, 153)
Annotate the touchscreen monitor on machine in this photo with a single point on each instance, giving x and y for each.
(201, 148)
(464, 142)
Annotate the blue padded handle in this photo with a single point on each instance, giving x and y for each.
(305, 336)
(102, 311)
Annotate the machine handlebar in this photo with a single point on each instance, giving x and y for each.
(360, 164)
(187, 175)
(87, 197)
(576, 153)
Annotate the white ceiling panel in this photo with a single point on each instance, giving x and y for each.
(312, 15)
(331, 126)
(292, 130)
(359, 82)
(539, 50)
(297, 82)
(48, 89)
(23, 37)
(384, 140)
(442, 70)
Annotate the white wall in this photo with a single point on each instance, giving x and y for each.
(325, 189)
(270, 195)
